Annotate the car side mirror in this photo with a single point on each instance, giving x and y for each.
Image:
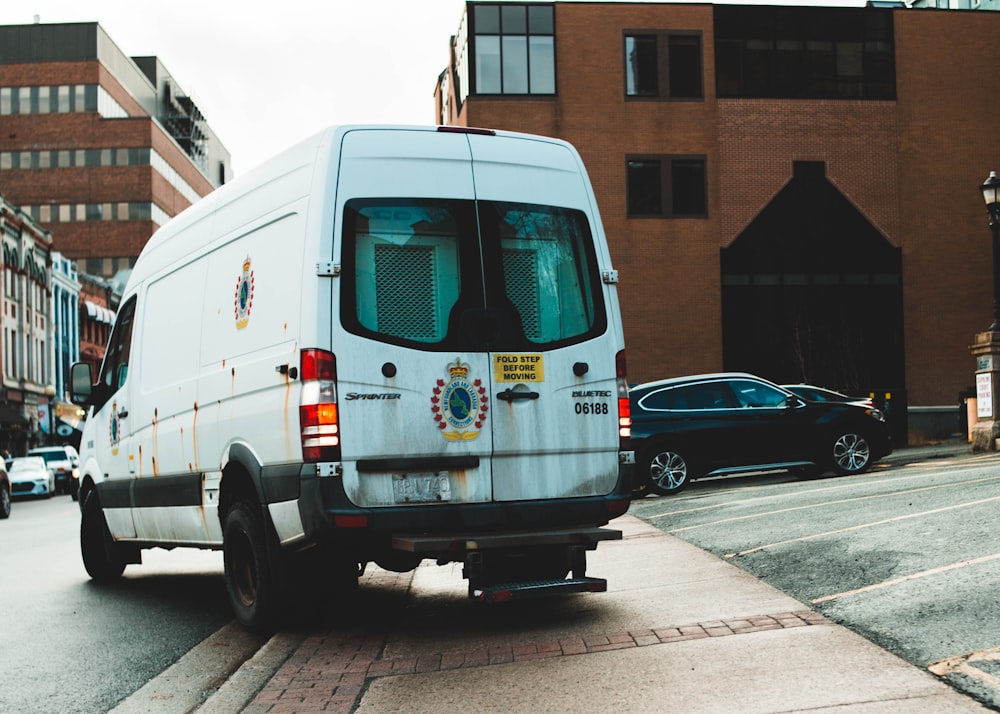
(794, 402)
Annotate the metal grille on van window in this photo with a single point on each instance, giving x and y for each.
(520, 270)
(405, 291)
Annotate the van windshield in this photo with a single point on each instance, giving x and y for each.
(451, 274)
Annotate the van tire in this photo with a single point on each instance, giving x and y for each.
(250, 568)
(101, 555)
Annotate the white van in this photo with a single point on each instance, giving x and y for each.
(384, 345)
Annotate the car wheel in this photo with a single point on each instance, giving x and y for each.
(101, 556)
(668, 471)
(851, 454)
(250, 578)
(4, 502)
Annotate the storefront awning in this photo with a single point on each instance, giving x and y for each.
(99, 313)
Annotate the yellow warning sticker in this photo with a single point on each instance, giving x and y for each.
(518, 368)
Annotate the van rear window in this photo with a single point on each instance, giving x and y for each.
(450, 274)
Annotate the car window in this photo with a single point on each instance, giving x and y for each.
(704, 395)
(51, 455)
(757, 394)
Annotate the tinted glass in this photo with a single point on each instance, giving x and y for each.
(407, 276)
(688, 187)
(548, 269)
(641, 78)
(685, 66)
(757, 394)
(644, 188)
(414, 274)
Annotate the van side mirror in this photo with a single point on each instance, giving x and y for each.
(81, 384)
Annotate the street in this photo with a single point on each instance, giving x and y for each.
(72, 646)
(906, 555)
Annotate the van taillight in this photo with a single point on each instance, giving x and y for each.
(318, 418)
(624, 407)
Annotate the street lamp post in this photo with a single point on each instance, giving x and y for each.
(991, 194)
(985, 434)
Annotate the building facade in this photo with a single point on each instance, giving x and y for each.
(26, 340)
(65, 311)
(790, 191)
(97, 147)
(957, 4)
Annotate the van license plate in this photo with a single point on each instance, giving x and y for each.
(421, 488)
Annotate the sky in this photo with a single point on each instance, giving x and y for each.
(267, 74)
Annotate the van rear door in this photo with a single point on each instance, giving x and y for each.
(413, 400)
(477, 363)
(555, 418)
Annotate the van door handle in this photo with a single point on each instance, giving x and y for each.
(509, 395)
(122, 413)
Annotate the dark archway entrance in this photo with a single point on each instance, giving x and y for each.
(812, 292)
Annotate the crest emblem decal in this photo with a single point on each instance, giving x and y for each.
(459, 404)
(114, 428)
(243, 300)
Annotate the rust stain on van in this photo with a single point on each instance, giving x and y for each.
(139, 470)
(194, 437)
(156, 439)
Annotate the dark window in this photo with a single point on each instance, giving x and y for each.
(514, 49)
(807, 53)
(667, 187)
(116, 359)
(663, 65)
(414, 273)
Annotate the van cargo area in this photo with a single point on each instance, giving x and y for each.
(385, 345)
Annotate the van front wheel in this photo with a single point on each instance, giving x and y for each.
(250, 578)
(102, 557)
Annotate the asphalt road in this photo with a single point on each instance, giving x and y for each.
(69, 645)
(906, 555)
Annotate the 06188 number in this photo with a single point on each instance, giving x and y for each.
(591, 407)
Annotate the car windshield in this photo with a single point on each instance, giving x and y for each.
(53, 456)
(27, 464)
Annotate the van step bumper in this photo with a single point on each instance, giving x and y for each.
(461, 543)
(536, 588)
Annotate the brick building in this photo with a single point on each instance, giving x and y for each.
(97, 147)
(791, 191)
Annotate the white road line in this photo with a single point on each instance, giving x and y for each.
(907, 578)
(963, 665)
(864, 525)
(840, 486)
(830, 503)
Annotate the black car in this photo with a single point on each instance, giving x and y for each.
(4, 494)
(710, 424)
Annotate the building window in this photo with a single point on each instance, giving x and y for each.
(804, 53)
(514, 49)
(667, 187)
(663, 65)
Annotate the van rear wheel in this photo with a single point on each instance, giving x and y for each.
(251, 580)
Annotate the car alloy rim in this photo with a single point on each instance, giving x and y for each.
(668, 470)
(851, 452)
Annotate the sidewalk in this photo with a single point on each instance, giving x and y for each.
(678, 629)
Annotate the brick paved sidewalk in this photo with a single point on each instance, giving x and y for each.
(329, 671)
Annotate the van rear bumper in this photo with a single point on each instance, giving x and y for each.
(326, 511)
